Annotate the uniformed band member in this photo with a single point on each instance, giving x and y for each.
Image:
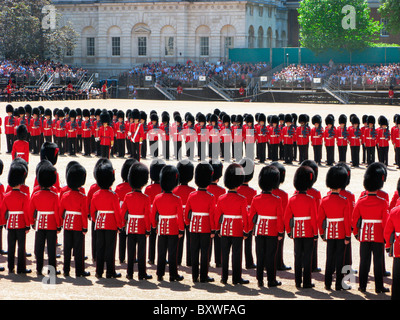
(135, 213)
(9, 123)
(317, 134)
(342, 136)
(303, 137)
(167, 217)
(199, 216)
(266, 219)
(369, 219)
(355, 140)
(334, 223)
(274, 138)
(231, 218)
(288, 134)
(105, 135)
(369, 139)
(329, 139)
(383, 139)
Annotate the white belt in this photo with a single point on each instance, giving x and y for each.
(232, 217)
(340, 137)
(334, 220)
(134, 216)
(316, 137)
(15, 212)
(263, 218)
(75, 213)
(41, 213)
(105, 212)
(20, 153)
(167, 217)
(397, 234)
(200, 214)
(369, 138)
(46, 128)
(371, 221)
(301, 218)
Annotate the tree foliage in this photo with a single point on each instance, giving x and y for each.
(390, 10)
(321, 26)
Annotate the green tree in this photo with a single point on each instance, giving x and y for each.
(321, 27)
(390, 10)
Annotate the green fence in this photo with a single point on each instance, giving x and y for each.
(277, 56)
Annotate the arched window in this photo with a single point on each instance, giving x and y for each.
(260, 37)
(251, 37)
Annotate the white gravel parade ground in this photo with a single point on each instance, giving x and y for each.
(33, 287)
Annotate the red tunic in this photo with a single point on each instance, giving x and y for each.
(122, 190)
(183, 192)
(167, 214)
(87, 129)
(369, 137)
(373, 211)
(226, 135)
(379, 193)
(341, 136)
(213, 134)
(9, 124)
(317, 135)
(61, 128)
(105, 210)
(395, 136)
(231, 216)
(152, 191)
(165, 131)
(393, 226)
(355, 136)
(237, 134)
(283, 196)
(153, 132)
(216, 190)
(288, 135)
(199, 212)
(248, 192)
(20, 149)
(74, 210)
(303, 135)
(266, 215)
(36, 127)
(24, 189)
(262, 133)
(274, 135)
(393, 202)
(335, 210)
(202, 133)
(72, 129)
(16, 206)
(66, 189)
(47, 128)
(135, 212)
(120, 130)
(250, 134)
(56, 186)
(383, 137)
(329, 136)
(177, 132)
(136, 132)
(106, 135)
(301, 207)
(44, 210)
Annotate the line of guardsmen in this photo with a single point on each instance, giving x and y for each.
(211, 217)
(276, 137)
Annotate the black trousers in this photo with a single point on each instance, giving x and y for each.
(279, 254)
(178, 150)
(274, 153)
(10, 141)
(152, 245)
(366, 251)
(335, 256)
(294, 151)
(87, 146)
(396, 279)
(318, 153)
(288, 153)
(105, 151)
(315, 256)
(93, 144)
(226, 151)
(105, 251)
(364, 154)
(342, 153)
(303, 248)
(303, 152)
(73, 240)
(238, 151)
(248, 252)
(120, 147)
(122, 245)
(136, 150)
(41, 237)
(167, 243)
(15, 236)
(261, 147)
(383, 153)
(281, 151)
(250, 150)
(165, 147)
(330, 155)
(79, 143)
(47, 138)
(143, 149)
(214, 150)
(140, 241)
(190, 150)
(266, 249)
(35, 141)
(72, 144)
(201, 150)
(62, 144)
(179, 252)
(370, 155)
(397, 156)
(94, 241)
(200, 244)
(98, 148)
(153, 148)
(217, 250)
(236, 245)
(355, 155)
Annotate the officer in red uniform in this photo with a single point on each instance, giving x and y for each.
(383, 138)
(334, 223)
(105, 212)
(288, 136)
(199, 216)
(266, 217)
(303, 137)
(369, 139)
(190, 136)
(250, 136)
(274, 138)
(72, 133)
(177, 133)
(355, 139)
(329, 139)
(167, 217)
(87, 132)
(135, 213)
(231, 218)
(249, 193)
(14, 214)
(262, 132)
(226, 138)
(152, 191)
(61, 128)
(136, 133)
(47, 126)
(9, 124)
(20, 148)
(214, 137)
(202, 136)
(106, 135)
(342, 136)
(301, 224)
(45, 215)
(395, 136)
(36, 130)
(186, 172)
(74, 211)
(153, 132)
(369, 220)
(316, 135)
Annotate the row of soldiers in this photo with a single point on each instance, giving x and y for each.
(23, 94)
(275, 137)
(168, 210)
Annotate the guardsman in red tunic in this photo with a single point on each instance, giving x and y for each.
(303, 137)
(250, 136)
(186, 172)
(61, 128)
(72, 129)
(274, 138)
(120, 130)
(202, 137)
(231, 219)
(395, 136)
(153, 132)
(143, 147)
(45, 217)
(105, 212)
(152, 191)
(214, 137)
(20, 148)
(266, 219)
(392, 244)
(190, 136)
(342, 137)
(334, 223)
(249, 193)
(165, 131)
(47, 126)
(9, 124)
(135, 134)
(106, 135)
(135, 213)
(199, 216)
(87, 132)
(301, 225)
(14, 214)
(263, 137)
(383, 138)
(288, 136)
(369, 220)
(74, 211)
(122, 190)
(317, 135)
(167, 217)
(329, 139)
(355, 140)
(177, 133)
(369, 139)
(226, 138)
(36, 130)
(54, 125)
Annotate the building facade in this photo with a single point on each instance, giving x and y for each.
(116, 35)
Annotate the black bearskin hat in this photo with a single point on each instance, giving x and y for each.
(60, 113)
(105, 117)
(100, 162)
(86, 113)
(169, 177)
(49, 151)
(348, 170)
(78, 112)
(282, 170)
(47, 112)
(214, 118)
(336, 178)
(371, 119)
(313, 165)
(46, 174)
(201, 118)
(154, 117)
(22, 132)
(342, 119)
(303, 178)
(288, 118)
(316, 119)
(17, 174)
(105, 175)
(155, 169)
(249, 118)
(76, 176)
(138, 175)
(120, 114)
(262, 118)
(294, 118)
(355, 120)
(365, 118)
(203, 174)
(186, 171)
(125, 168)
(269, 179)
(135, 114)
(281, 117)
(143, 116)
(234, 176)
(217, 168)
(274, 119)
(383, 121)
(303, 118)
(239, 119)
(329, 120)
(73, 114)
(165, 118)
(28, 109)
(9, 108)
(374, 177)
(248, 167)
(21, 110)
(226, 119)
